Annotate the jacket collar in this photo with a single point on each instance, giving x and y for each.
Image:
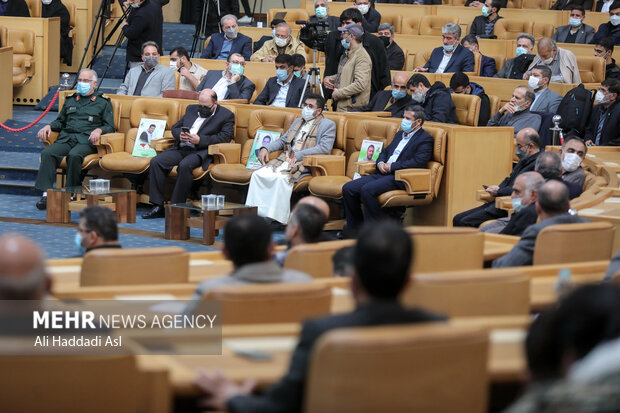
(267, 271)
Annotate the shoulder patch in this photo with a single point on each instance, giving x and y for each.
(92, 99)
(103, 95)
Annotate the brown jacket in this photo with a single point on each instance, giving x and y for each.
(270, 49)
(353, 92)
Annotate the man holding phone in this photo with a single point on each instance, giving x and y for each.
(202, 125)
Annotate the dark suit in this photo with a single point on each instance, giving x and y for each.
(462, 60)
(610, 136)
(371, 20)
(242, 89)
(416, 154)
(269, 93)
(515, 68)
(487, 66)
(381, 99)
(287, 395)
(16, 8)
(567, 4)
(218, 128)
(143, 24)
(260, 42)
(607, 30)
(438, 105)
(478, 25)
(242, 44)
(395, 56)
(519, 221)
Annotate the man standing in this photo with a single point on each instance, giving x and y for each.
(515, 68)
(546, 100)
(202, 125)
(321, 15)
(370, 16)
(230, 83)
(230, 41)
(394, 101)
(282, 43)
(395, 55)
(84, 117)
(562, 62)
(451, 57)
(436, 99)
(144, 24)
(604, 47)
(283, 90)
(191, 73)
(459, 83)
(150, 78)
(576, 31)
(604, 129)
(516, 113)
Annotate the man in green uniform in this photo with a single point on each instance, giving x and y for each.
(84, 117)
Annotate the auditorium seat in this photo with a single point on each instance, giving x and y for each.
(290, 15)
(543, 30)
(514, 4)
(34, 7)
(566, 243)
(591, 69)
(500, 60)
(315, 259)
(72, 11)
(495, 104)
(506, 29)
(467, 108)
(410, 25)
(395, 21)
(431, 25)
(536, 4)
(22, 42)
(438, 368)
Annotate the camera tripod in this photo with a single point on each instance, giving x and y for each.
(315, 83)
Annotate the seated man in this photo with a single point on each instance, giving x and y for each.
(604, 47)
(272, 185)
(371, 18)
(552, 208)
(546, 100)
(411, 147)
(516, 113)
(577, 31)
(321, 15)
(459, 83)
(260, 42)
(562, 62)
(484, 26)
(97, 229)
(227, 42)
(247, 243)
(487, 64)
(603, 128)
(282, 43)
(342, 262)
(610, 29)
(524, 195)
(549, 165)
(516, 67)
(573, 153)
(150, 78)
(394, 101)
(298, 62)
(395, 55)
(305, 226)
(452, 57)
(283, 90)
(528, 149)
(382, 257)
(230, 83)
(191, 73)
(202, 125)
(436, 100)
(23, 275)
(84, 117)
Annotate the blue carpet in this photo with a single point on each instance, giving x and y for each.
(25, 141)
(176, 34)
(26, 160)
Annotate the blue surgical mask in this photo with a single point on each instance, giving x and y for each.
(399, 94)
(574, 22)
(83, 88)
(321, 12)
(485, 11)
(448, 47)
(516, 204)
(406, 125)
(346, 44)
(521, 50)
(78, 243)
(282, 74)
(297, 73)
(236, 69)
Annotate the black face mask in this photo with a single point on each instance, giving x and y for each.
(385, 40)
(204, 111)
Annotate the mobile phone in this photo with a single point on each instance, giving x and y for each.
(485, 186)
(184, 129)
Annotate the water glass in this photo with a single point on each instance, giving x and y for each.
(220, 201)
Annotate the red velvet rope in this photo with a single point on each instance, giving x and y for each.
(2, 125)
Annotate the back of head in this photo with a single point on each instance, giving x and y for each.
(247, 239)
(383, 256)
(549, 165)
(342, 261)
(459, 79)
(22, 269)
(102, 220)
(470, 38)
(553, 198)
(351, 14)
(310, 221)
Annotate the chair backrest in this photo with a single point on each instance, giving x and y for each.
(543, 30)
(562, 243)
(265, 119)
(495, 103)
(315, 259)
(437, 164)
(467, 108)
(271, 303)
(181, 94)
(471, 293)
(500, 60)
(514, 4)
(536, 4)
(399, 369)
(394, 20)
(446, 248)
(360, 129)
(22, 41)
(116, 109)
(506, 29)
(410, 25)
(431, 25)
(72, 9)
(591, 69)
(154, 108)
(421, 57)
(291, 15)
(477, 63)
(341, 123)
(34, 7)
(114, 266)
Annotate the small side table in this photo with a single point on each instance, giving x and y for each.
(59, 204)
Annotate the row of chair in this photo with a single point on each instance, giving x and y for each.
(22, 42)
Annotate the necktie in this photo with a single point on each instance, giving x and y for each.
(599, 130)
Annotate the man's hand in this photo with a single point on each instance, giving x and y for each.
(383, 167)
(492, 190)
(336, 95)
(263, 156)
(292, 160)
(94, 136)
(420, 69)
(220, 389)
(184, 72)
(269, 59)
(475, 4)
(44, 133)
(589, 142)
(328, 82)
(507, 108)
(235, 78)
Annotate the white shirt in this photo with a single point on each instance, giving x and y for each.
(401, 145)
(195, 128)
(280, 100)
(444, 62)
(221, 87)
(606, 4)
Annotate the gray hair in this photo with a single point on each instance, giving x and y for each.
(549, 165)
(533, 181)
(452, 28)
(528, 37)
(284, 24)
(88, 70)
(150, 43)
(386, 26)
(547, 42)
(529, 93)
(228, 17)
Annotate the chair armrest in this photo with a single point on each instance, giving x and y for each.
(225, 153)
(484, 196)
(112, 142)
(416, 180)
(29, 65)
(365, 168)
(162, 144)
(503, 202)
(50, 139)
(325, 165)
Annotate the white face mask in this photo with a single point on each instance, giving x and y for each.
(615, 20)
(281, 42)
(571, 162)
(533, 82)
(601, 98)
(173, 65)
(46, 2)
(363, 8)
(548, 61)
(307, 113)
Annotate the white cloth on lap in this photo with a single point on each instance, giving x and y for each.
(270, 191)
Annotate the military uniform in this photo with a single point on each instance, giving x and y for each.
(79, 116)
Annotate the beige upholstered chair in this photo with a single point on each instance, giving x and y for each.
(506, 29)
(558, 244)
(591, 69)
(431, 25)
(22, 42)
(467, 108)
(315, 259)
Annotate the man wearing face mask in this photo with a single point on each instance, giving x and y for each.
(271, 186)
(412, 147)
(191, 73)
(370, 16)
(260, 42)
(549, 165)
(612, 28)
(562, 62)
(483, 26)
(604, 47)
(451, 57)
(394, 101)
(84, 117)
(604, 127)
(516, 112)
(576, 31)
(283, 43)
(228, 41)
(395, 55)
(144, 24)
(202, 125)
(528, 150)
(435, 100)
(573, 153)
(97, 229)
(150, 78)
(515, 68)
(321, 10)
(546, 100)
(459, 83)
(230, 83)
(283, 90)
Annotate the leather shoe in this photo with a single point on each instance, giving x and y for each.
(42, 203)
(158, 211)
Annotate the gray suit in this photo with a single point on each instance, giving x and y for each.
(523, 252)
(584, 35)
(546, 101)
(162, 78)
(325, 137)
(519, 120)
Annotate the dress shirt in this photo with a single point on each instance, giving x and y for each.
(195, 128)
(226, 47)
(606, 4)
(280, 100)
(401, 145)
(221, 87)
(444, 62)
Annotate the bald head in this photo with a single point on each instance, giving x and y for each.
(316, 202)
(22, 269)
(207, 97)
(553, 198)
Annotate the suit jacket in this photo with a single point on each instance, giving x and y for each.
(610, 136)
(519, 221)
(515, 68)
(371, 20)
(487, 66)
(325, 137)
(607, 30)
(242, 44)
(381, 99)
(395, 56)
(568, 65)
(438, 105)
(416, 154)
(269, 93)
(161, 79)
(218, 128)
(143, 24)
(523, 252)
(477, 27)
(462, 60)
(242, 89)
(548, 101)
(567, 4)
(519, 120)
(287, 395)
(524, 165)
(584, 35)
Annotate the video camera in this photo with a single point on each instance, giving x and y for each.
(313, 34)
